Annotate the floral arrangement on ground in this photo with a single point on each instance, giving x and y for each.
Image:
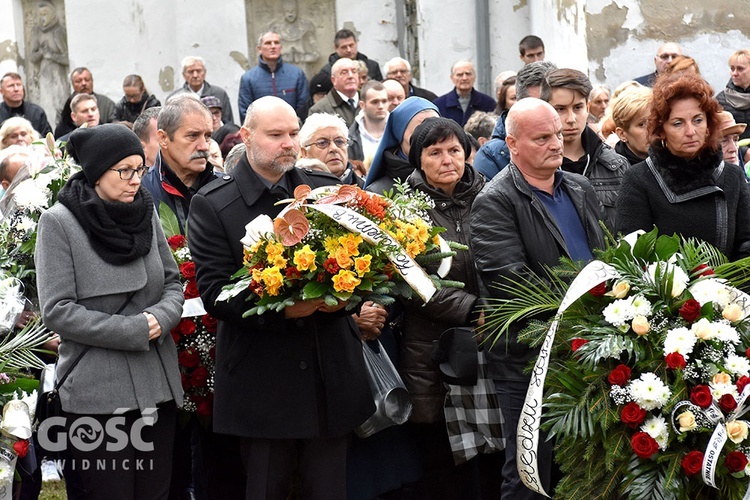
(649, 377)
(341, 243)
(195, 334)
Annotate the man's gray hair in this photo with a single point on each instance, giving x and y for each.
(78, 98)
(532, 75)
(395, 61)
(170, 116)
(318, 121)
(234, 156)
(190, 60)
(78, 71)
(269, 32)
(462, 61)
(140, 125)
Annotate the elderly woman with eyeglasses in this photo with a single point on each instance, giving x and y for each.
(108, 284)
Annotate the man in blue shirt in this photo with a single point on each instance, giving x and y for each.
(527, 217)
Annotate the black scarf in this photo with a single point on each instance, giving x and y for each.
(684, 175)
(118, 232)
(623, 149)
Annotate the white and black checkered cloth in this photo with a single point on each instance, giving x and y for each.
(473, 417)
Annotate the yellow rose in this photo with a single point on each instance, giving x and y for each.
(722, 378)
(703, 329)
(687, 421)
(273, 280)
(640, 325)
(733, 312)
(257, 274)
(620, 290)
(351, 242)
(273, 251)
(342, 258)
(304, 259)
(737, 431)
(345, 281)
(362, 265)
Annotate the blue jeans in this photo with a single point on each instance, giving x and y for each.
(511, 395)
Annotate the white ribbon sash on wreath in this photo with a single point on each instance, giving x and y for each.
(531, 415)
(412, 272)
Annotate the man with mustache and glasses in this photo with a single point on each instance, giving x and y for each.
(184, 129)
(290, 386)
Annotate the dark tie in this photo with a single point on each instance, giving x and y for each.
(352, 105)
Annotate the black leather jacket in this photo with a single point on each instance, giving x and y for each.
(604, 170)
(512, 232)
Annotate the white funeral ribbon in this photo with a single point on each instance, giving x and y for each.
(193, 307)
(531, 415)
(412, 272)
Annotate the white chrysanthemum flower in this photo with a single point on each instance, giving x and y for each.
(718, 390)
(25, 224)
(649, 392)
(28, 196)
(737, 365)
(725, 332)
(680, 277)
(657, 428)
(6, 474)
(619, 312)
(679, 340)
(711, 290)
(641, 306)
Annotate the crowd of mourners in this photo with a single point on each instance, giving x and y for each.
(522, 178)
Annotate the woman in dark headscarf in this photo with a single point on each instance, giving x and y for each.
(391, 159)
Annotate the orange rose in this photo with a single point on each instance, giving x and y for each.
(362, 265)
(345, 281)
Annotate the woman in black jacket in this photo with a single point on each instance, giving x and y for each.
(439, 149)
(135, 100)
(684, 186)
(735, 98)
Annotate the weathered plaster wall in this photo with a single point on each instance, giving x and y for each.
(504, 36)
(375, 24)
(447, 34)
(11, 35)
(562, 26)
(624, 35)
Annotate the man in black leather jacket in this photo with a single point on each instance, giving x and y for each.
(527, 217)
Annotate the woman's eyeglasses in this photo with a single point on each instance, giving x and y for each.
(340, 143)
(128, 173)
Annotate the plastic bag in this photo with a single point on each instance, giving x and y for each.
(392, 402)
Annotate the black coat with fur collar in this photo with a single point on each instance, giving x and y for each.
(702, 197)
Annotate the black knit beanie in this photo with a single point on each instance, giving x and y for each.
(97, 149)
(420, 134)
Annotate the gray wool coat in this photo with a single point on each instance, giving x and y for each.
(79, 293)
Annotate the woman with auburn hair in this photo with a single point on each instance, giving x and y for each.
(506, 95)
(684, 186)
(683, 63)
(735, 98)
(630, 111)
